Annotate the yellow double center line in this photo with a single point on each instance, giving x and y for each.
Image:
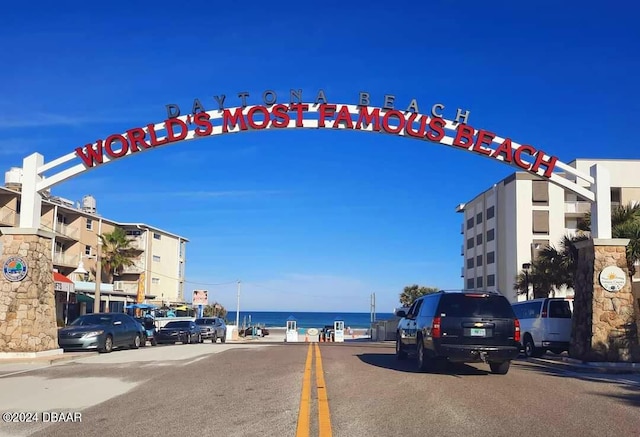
(304, 415)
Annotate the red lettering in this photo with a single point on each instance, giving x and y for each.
(409, 127)
(280, 115)
(517, 156)
(261, 124)
(234, 119)
(343, 117)
(391, 129)
(299, 108)
(153, 137)
(171, 136)
(484, 138)
(136, 138)
(549, 164)
(326, 110)
(108, 146)
(90, 156)
(201, 119)
(505, 150)
(463, 132)
(436, 134)
(369, 118)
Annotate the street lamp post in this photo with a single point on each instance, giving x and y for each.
(526, 267)
(238, 309)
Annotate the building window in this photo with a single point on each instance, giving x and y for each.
(469, 263)
(134, 232)
(491, 280)
(540, 222)
(155, 280)
(479, 239)
(491, 212)
(156, 236)
(479, 218)
(470, 243)
(479, 260)
(491, 234)
(470, 283)
(87, 250)
(491, 257)
(89, 224)
(156, 258)
(479, 282)
(470, 223)
(540, 193)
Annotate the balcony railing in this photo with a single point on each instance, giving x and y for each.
(9, 216)
(577, 207)
(136, 243)
(63, 259)
(68, 231)
(137, 267)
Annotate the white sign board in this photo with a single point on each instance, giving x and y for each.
(612, 278)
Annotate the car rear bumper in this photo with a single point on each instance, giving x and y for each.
(556, 345)
(472, 353)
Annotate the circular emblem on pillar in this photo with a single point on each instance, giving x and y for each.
(14, 269)
(612, 278)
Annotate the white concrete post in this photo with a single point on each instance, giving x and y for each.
(601, 208)
(31, 202)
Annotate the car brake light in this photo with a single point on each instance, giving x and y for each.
(516, 331)
(435, 328)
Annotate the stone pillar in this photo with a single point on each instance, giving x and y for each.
(605, 322)
(27, 298)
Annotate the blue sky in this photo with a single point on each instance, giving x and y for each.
(314, 220)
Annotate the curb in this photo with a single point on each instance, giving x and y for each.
(589, 367)
(47, 360)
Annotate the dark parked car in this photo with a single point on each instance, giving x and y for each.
(460, 326)
(213, 328)
(183, 331)
(101, 331)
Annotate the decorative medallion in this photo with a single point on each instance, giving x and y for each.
(612, 278)
(14, 269)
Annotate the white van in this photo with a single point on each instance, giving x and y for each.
(545, 325)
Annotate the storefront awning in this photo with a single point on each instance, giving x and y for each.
(84, 298)
(62, 283)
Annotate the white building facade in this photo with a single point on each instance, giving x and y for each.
(507, 225)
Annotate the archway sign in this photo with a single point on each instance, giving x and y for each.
(292, 112)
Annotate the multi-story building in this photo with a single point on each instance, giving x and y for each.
(507, 225)
(157, 273)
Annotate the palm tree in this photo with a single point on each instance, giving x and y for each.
(625, 223)
(552, 269)
(117, 253)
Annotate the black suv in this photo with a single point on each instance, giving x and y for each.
(460, 326)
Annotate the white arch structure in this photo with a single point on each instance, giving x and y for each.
(420, 127)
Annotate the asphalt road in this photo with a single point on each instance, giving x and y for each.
(257, 390)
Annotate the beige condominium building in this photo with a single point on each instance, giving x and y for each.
(159, 259)
(507, 225)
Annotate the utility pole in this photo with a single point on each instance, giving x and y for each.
(238, 309)
(96, 296)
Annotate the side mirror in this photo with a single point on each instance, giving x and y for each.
(401, 313)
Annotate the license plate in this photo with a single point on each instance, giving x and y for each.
(478, 332)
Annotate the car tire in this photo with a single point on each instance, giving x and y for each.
(423, 360)
(108, 345)
(500, 368)
(214, 338)
(400, 354)
(530, 349)
(154, 342)
(136, 342)
(200, 340)
(224, 337)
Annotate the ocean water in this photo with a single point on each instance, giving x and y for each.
(278, 319)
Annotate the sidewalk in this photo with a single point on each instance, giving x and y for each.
(46, 360)
(571, 364)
